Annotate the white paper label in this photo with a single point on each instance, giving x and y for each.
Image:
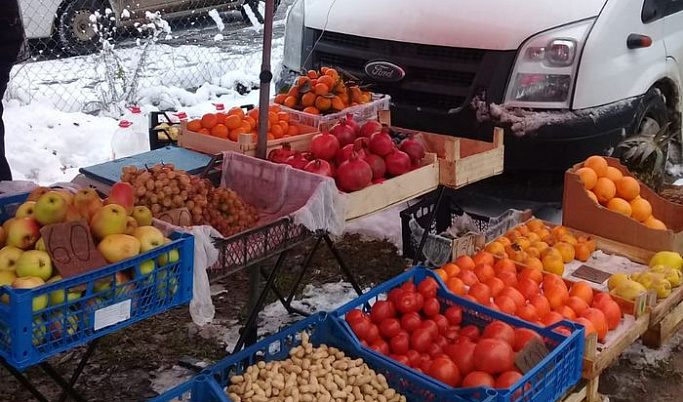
(113, 314)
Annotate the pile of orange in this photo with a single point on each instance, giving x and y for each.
(323, 92)
(529, 294)
(608, 187)
(536, 245)
(235, 122)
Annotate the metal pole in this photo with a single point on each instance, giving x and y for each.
(266, 77)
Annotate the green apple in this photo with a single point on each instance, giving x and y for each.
(26, 210)
(51, 208)
(8, 257)
(57, 297)
(40, 245)
(149, 237)
(147, 267)
(143, 215)
(29, 282)
(34, 263)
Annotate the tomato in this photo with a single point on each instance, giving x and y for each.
(408, 287)
(477, 379)
(407, 303)
(451, 333)
(413, 357)
(420, 301)
(381, 310)
(431, 327)
(434, 350)
(400, 343)
(361, 328)
(499, 330)
(389, 327)
(426, 364)
(441, 341)
(471, 332)
(428, 288)
(462, 353)
(441, 322)
(372, 334)
(432, 307)
(400, 358)
(523, 336)
(454, 315)
(493, 356)
(444, 370)
(355, 315)
(394, 295)
(381, 346)
(507, 379)
(411, 321)
(420, 339)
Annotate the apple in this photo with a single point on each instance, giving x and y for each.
(166, 283)
(149, 236)
(6, 278)
(29, 282)
(122, 194)
(170, 257)
(50, 208)
(131, 225)
(110, 219)
(40, 245)
(143, 215)
(57, 297)
(147, 267)
(67, 195)
(27, 209)
(3, 236)
(37, 192)
(8, 258)
(121, 279)
(7, 224)
(39, 331)
(118, 247)
(73, 214)
(23, 233)
(87, 202)
(34, 263)
(59, 323)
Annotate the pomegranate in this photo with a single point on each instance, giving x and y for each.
(325, 146)
(381, 143)
(363, 142)
(369, 128)
(354, 174)
(346, 150)
(379, 181)
(379, 168)
(345, 131)
(413, 148)
(321, 167)
(398, 162)
(280, 155)
(299, 160)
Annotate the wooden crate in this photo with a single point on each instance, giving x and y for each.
(394, 191)
(207, 144)
(666, 320)
(584, 391)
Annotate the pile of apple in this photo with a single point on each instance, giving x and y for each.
(120, 230)
(355, 156)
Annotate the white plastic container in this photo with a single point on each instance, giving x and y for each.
(128, 140)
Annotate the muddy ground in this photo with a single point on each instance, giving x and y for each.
(129, 365)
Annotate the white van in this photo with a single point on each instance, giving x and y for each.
(566, 78)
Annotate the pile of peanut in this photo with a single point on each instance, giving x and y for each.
(322, 374)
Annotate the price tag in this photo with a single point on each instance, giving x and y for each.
(112, 315)
(177, 217)
(71, 248)
(532, 354)
(591, 274)
(468, 244)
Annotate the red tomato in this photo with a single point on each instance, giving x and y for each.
(454, 315)
(432, 307)
(394, 295)
(523, 336)
(428, 287)
(389, 327)
(381, 346)
(441, 341)
(507, 379)
(406, 303)
(471, 332)
(381, 310)
(451, 333)
(434, 350)
(408, 287)
(420, 301)
(444, 370)
(431, 327)
(420, 339)
(355, 315)
(400, 343)
(426, 364)
(361, 328)
(413, 357)
(400, 358)
(441, 322)
(499, 330)
(411, 321)
(462, 353)
(372, 334)
(493, 356)
(477, 379)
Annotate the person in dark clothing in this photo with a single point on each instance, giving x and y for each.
(11, 44)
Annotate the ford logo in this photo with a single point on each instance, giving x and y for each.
(384, 71)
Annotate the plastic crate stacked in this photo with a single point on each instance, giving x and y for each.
(85, 307)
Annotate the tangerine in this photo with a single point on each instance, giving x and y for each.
(442, 274)
(605, 190)
(293, 91)
(277, 131)
(588, 177)
(290, 101)
(283, 116)
(312, 74)
(332, 73)
(204, 131)
(322, 103)
(246, 126)
(272, 118)
(209, 120)
(220, 131)
(654, 223)
(327, 81)
(233, 122)
(598, 164)
(614, 174)
(253, 113)
(628, 188)
(234, 134)
(251, 122)
(582, 252)
(321, 89)
(280, 98)
(194, 125)
(641, 209)
(221, 117)
(308, 99)
(337, 103)
(302, 80)
(236, 111)
(452, 269)
(292, 130)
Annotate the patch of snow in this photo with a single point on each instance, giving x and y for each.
(678, 182)
(125, 13)
(385, 225)
(218, 38)
(217, 19)
(256, 25)
(166, 379)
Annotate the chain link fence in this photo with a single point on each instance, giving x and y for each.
(98, 56)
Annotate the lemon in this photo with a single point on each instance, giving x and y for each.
(615, 280)
(629, 290)
(668, 258)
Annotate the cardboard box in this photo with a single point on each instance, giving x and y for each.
(580, 212)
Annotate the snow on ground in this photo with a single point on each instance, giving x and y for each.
(385, 225)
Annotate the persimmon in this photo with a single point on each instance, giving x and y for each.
(322, 103)
(582, 290)
(209, 120)
(508, 278)
(505, 265)
(495, 248)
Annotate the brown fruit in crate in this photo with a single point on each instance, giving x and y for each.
(566, 250)
(641, 209)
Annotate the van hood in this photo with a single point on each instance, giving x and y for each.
(480, 24)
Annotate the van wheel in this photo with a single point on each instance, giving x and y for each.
(653, 114)
(76, 31)
(255, 5)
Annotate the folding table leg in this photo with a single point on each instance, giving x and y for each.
(24, 381)
(432, 217)
(304, 269)
(283, 301)
(79, 369)
(56, 377)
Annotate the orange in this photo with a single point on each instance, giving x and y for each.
(237, 111)
(456, 286)
(271, 137)
(302, 80)
(592, 196)
(599, 321)
(531, 273)
(220, 131)
(588, 177)
(495, 248)
(442, 274)
(311, 110)
(321, 89)
(292, 130)
(582, 290)
(293, 91)
(283, 116)
(598, 164)
(582, 252)
(284, 125)
(556, 295)
(272, 118)
(327, 81)
(280, 98)
(654, 223)
(324, 69)
(468, 277)
(566, 250)
(209, 120)
(641, 209)
(308, 99)
(337, 103)
(290, 101)
(274, 108)
(628, 188)
(332, 73)
(204, 131)
(605, 190)
(312, 74)
(613, 174)
(465, 262)
(619, 205)
(589, 328)
(253, 113)
(505, 265)
(484, 272)
(577, 304)
(277, 131)
(589, 241)
(323, 103)
(483, 257)
(194, 125)
(451, 269)
(251, 122)
(246, 126)
(233, 122)
(234, 134)
(221, 117)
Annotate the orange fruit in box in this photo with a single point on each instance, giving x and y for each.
(599, 321)
(451, 269)
(311, 110)
(505, 265)
(582, 252)
(654, 223)
(280, 98)
(277, 132)
(527, 312)
(321, 89)
(283, 116)
(234, 134)
(577, 304)
(302, 80)
(236, 111)
(441, 274)
(294, 92)
(274, 108)
(533, 262)
(566, 250)
(535, 225)
(271, 137)
(553, 264)
(292, 130)
(532, 252)
(541, 303)
(582, 290)
(290, 101)
(566, 312)
(220, 131)
(233, 122)
(221, 117)
(308, 99)
(496, 285)
(209, 120)
(194, 125)
(465, 262)
(323, 103)
(508, 278)
(641, 209)
(613, 174)
(531, 273)
(253, 113)
(588, 177)
(246, 126)
(324, 69)
(605, 190)
(598, 164)
(628, 188)
(327, 81)
(204, 131)
(312, 74)
(456, 286)
(619, 205)
(331, 72)
(495, 248)
(272, 118)
(251, 122)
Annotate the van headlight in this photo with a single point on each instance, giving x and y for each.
(294, 36)
(545, 69)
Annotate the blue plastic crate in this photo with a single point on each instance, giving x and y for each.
(548, 381)
(322, 330)
(9, 205)
(111, 298)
